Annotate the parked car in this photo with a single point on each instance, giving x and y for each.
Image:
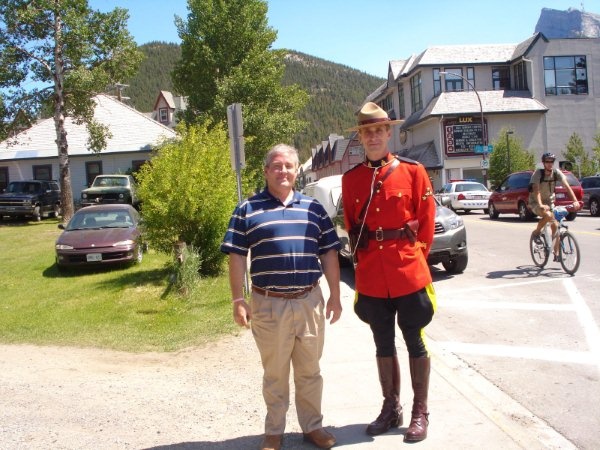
(464, 195)
(591, 194)
(449, 241)
(512, 196)
(111, 189)
(100, 235)
(30, 198)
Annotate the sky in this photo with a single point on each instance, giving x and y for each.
(365, 34)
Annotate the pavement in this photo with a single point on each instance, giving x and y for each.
(466, 410)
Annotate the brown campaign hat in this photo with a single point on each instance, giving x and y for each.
(371, 114)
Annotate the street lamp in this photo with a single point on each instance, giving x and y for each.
(508, 148)
(483, 133)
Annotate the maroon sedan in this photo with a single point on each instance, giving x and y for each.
(99, 235)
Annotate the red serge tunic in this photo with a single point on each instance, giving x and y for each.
(391, 268)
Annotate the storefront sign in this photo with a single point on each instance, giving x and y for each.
(461, 135)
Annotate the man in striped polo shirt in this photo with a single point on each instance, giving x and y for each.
(287, 234)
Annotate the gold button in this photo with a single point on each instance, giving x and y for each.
(378, 191)
(381, 247)
(377, 210)
(399, 194)
(356, 200)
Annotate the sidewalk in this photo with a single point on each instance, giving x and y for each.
(466, 410)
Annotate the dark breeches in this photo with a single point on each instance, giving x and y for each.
(414, 312)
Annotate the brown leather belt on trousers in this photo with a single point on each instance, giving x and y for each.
(386, 235)
(290, 295)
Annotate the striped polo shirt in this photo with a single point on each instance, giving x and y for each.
(284, 241)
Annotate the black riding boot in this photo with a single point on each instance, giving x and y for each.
(391, 411)
(419, 373)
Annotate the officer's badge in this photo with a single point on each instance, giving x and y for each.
(428, 193)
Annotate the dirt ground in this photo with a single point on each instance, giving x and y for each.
(72, 398)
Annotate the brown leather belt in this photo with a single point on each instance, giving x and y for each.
(290, 295)
(386, 235)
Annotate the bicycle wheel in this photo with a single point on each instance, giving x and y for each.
(569, 253)
(539, 251)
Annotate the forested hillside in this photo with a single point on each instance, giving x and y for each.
(336, 91)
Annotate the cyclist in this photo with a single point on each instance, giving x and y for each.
(541, 199)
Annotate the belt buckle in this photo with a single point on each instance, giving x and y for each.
(379, 235)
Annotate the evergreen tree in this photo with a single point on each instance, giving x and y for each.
(583, 165)
(59, 53)
(226, 58)
(508, 156)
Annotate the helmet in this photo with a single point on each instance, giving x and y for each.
(548, 155)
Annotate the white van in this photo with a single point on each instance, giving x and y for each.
(327, 191)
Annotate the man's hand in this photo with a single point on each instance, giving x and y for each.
(242, 314)
(576, 206)
(333, 310)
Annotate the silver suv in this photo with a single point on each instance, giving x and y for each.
(449, 241)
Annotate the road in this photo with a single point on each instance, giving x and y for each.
(533, 333)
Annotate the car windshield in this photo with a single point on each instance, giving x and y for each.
(110, 181)
(464, 187)
(100, 219)
(23, 188)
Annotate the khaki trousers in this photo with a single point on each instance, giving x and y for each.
(290, 331)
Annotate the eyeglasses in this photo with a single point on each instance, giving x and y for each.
(549, 161)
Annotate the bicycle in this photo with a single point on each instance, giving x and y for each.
(568, 249)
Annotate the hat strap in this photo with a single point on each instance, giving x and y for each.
(369, 121)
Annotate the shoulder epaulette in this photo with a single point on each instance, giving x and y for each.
(406, 160)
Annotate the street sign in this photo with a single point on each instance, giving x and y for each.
(485, 163)
(236, 136)
(484, 148)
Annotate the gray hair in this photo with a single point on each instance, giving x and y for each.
(282, 149)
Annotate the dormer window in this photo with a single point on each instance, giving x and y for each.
(163, 115)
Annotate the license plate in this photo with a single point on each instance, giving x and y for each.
(560, 195)
(94, 257)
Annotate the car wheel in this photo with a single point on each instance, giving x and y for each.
(140, 255)
(486, 211)
(571, 216)
(56, 210)
(524, 213)
(457, 265)
(37, 213)
(594, 207)
(492, 211)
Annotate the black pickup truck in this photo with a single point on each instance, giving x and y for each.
(30, 198)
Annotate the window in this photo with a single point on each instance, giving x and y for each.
(437, 83)
(454, 82)
(42, 172)
(565, 75)
(387, 104)
(416, 95)
(520, 76)
(91, 170)
(163, 115)
(500, 77)
(3, 178)
(401, 110)
(470, 77)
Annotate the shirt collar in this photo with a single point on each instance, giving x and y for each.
(380, 162)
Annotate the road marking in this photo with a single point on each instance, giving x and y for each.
(478, 304)
(501, 286)
(586, 318)
(510, 351)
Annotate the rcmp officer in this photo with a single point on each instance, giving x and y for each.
(389, 213)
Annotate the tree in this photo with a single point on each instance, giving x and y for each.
(508, 147)
(576, 154)
(59, 53)
(226, 58)
(596, 153)
(188, 193)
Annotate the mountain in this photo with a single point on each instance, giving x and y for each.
(336, 91)
(555, 24)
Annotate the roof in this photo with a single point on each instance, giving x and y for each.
(466, 102)
(425, 153)
(131, 131)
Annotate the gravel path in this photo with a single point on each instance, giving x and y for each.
(72, 398)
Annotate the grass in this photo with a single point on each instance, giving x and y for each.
(132, 308)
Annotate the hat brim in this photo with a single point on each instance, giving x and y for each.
(374, 124)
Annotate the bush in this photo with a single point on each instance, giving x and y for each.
(188, 192)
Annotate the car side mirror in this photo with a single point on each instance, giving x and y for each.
(445, 200)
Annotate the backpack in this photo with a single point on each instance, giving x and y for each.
(554, 179)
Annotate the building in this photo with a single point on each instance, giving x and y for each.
(32, 154)
(543, 90)
(166, 108)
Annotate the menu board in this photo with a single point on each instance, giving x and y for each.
(462, 135)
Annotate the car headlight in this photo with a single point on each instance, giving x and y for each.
(83, 195)
(121, 195)
(63, 247)
(126, 242)
(455, 222)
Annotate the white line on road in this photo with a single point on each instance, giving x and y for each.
(478, 304)
(502, 286)
(511, 351)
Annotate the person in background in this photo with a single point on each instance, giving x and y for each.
(287, 235)
(542, 196)
(389, 213)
